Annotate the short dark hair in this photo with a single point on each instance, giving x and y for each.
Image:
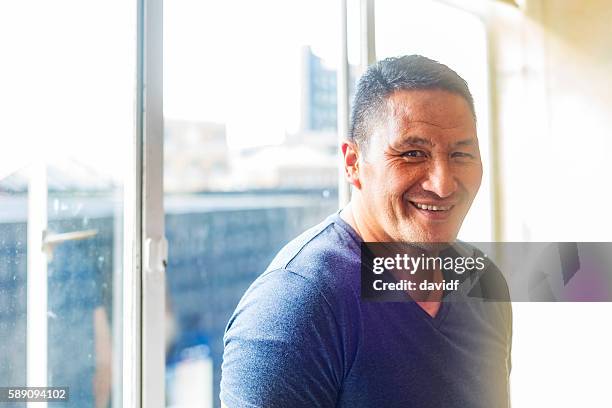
(409, 72)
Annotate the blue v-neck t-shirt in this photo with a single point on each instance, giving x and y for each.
(301, 336)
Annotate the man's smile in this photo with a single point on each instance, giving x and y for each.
(432, 207)
(433, 211)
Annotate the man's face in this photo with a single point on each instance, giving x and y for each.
(421, 168)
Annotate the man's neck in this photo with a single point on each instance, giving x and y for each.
(347, 215)
(355, 216)
(350, 214)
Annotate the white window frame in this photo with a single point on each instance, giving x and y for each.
(367, 57)
(143, 337)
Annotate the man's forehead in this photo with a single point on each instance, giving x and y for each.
(431, 107)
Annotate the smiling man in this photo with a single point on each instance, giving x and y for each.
(302, 335)
(420, 166)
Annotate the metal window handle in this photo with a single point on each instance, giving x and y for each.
(155, 255)
(50, 240)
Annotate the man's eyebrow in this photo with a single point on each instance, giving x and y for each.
(418, 140)
(465, 142)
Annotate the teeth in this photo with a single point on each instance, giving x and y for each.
(432, 207)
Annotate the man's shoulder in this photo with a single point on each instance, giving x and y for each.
(320, 266)
(294, 319)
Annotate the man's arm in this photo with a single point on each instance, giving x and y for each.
(282, 347)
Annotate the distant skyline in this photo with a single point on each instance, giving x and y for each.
(257, 60)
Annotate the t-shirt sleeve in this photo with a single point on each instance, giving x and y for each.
(282, 346)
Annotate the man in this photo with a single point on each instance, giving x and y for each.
(303, 337)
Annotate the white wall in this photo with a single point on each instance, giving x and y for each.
(553, 65)
(553, 62)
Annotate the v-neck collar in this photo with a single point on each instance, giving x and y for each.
(436, 320)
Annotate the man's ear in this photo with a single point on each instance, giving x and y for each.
(350, 156)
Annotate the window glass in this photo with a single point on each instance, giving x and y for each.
(68, 96)
(251, 160)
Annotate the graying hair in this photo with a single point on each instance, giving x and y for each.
(409, 72)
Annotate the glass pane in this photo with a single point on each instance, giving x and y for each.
(68, 98)
(251, 160)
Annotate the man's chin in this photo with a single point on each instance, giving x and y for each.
(432, 238)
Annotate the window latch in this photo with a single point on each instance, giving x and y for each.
(155, 255)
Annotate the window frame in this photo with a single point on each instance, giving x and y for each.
(143, 331)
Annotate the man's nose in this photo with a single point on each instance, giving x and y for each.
(440, 179)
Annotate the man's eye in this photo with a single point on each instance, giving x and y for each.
(415, 153)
